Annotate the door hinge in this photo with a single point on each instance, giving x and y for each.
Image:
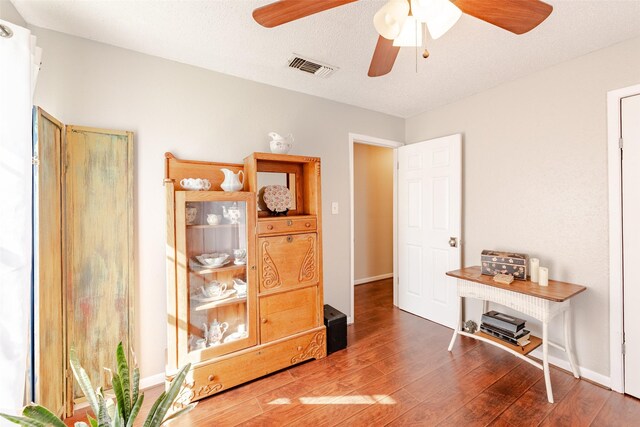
(620, 143)
(35, 161)
(624, 349)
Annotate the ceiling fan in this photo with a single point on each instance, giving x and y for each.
(399, 22)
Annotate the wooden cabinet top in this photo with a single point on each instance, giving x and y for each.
(556, 291)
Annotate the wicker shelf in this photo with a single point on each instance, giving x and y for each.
(535, 343)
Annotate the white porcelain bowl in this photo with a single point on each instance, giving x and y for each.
(212, 260)
(280, 146)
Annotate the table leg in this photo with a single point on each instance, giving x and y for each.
(458, 325)
(545, 361)
(568, 343)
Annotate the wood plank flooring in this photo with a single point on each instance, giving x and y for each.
(397, 371)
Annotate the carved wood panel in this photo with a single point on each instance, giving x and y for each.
(287, 261)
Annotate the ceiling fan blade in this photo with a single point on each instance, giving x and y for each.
(383, 57)
(284, 11)
(517, 16)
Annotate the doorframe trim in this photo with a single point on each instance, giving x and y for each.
(616, 297)
(380, 142)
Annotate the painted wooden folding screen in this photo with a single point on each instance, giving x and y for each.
(50, 353)
(98, 217)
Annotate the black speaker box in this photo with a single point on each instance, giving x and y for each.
(336, 323)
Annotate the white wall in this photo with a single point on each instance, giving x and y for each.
(535, 177)
(373, 211)
(9, 13)
(199, 114)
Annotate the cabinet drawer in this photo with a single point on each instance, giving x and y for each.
(215, 377)
(287, 261)
(288, 313)
(286, 225)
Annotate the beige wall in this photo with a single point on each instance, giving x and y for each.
(199, 114)
(9, 13)
(373, 210)
(535, 177)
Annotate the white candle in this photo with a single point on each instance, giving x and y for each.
(544, 276)
(534, 265)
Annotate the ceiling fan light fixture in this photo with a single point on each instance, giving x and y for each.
(439, 15)
(389, 20)
(411, 34)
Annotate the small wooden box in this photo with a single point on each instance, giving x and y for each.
(495, 262)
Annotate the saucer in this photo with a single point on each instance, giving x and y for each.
(240, 262)
(235, 336)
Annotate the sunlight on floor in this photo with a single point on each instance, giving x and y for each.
(380, 399)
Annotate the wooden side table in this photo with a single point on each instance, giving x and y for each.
(540, 302)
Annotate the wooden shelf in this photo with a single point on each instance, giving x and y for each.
(213, 226)
(535, 343)
(221, 303)
(230, 267)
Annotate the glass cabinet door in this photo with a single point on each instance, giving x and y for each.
(217, 248)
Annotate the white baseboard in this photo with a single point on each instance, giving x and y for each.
(372, 279)
(151, 381)
(588, 374)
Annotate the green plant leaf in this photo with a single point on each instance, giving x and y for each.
(83, 380)
(136, 385)
(42, 414)
(123, 371)
(104, 420)
(92, 421)
(117, 390)
(179, 413)
(172, 393)
(154, 408)
(135, 410)
(23, 421)
(117, 421)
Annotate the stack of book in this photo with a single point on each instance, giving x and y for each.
(506, 328)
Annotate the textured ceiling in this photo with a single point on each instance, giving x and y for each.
(221, 35)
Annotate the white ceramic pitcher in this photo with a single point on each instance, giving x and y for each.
(232, 181)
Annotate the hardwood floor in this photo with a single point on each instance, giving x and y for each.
(397, 371)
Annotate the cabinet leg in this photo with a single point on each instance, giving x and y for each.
(568, 343)
(545, 361)
(458, 325)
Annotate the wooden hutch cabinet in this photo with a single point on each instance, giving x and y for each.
(258, 308)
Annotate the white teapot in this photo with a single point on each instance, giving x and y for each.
(280, 144)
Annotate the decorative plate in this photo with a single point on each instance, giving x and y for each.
(277, 198)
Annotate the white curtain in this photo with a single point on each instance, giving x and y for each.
(19, 63)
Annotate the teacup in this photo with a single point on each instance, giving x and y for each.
(200, 344)
(239, 254)
(213, 289)
(214, 219)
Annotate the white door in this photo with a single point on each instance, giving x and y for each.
(631, 239)
(429, 216)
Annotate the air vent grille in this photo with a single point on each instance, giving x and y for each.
(311, 66)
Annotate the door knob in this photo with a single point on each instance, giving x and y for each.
(453, 242)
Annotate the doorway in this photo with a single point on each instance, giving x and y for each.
(373, 211)
(624, 245)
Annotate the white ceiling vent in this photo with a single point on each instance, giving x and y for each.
(311, 66)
